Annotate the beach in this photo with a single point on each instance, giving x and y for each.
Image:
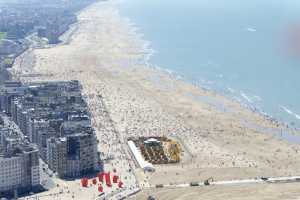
(106, 56)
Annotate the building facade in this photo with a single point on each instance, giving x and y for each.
(19, 160)
(55, 117)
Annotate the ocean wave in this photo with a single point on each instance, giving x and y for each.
(246, 97)
(220, 75)
(257, 98)
(297, 116)
(230, 90)
(249, 29)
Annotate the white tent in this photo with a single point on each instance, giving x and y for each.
(139, 158)
(152, 140)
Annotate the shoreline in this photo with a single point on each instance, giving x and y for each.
(161, 71)
(135, 29)
(105, 57)
(67, 36)
(214, 92)
(148, 51)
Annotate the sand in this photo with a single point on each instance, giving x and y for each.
(225, 142)
(245, 192)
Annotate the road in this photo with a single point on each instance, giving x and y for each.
(259, 180)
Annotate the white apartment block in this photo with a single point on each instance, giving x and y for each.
(10, 173)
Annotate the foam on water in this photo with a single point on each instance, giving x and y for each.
(246, 97)
(251, 29)
(290, 112)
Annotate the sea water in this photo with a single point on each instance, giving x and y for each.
(240, 48)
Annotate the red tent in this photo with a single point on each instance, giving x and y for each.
(100, 188)
(100, 176)
(107, 179)
(115, 179)
(120, 184)
(84, 182)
